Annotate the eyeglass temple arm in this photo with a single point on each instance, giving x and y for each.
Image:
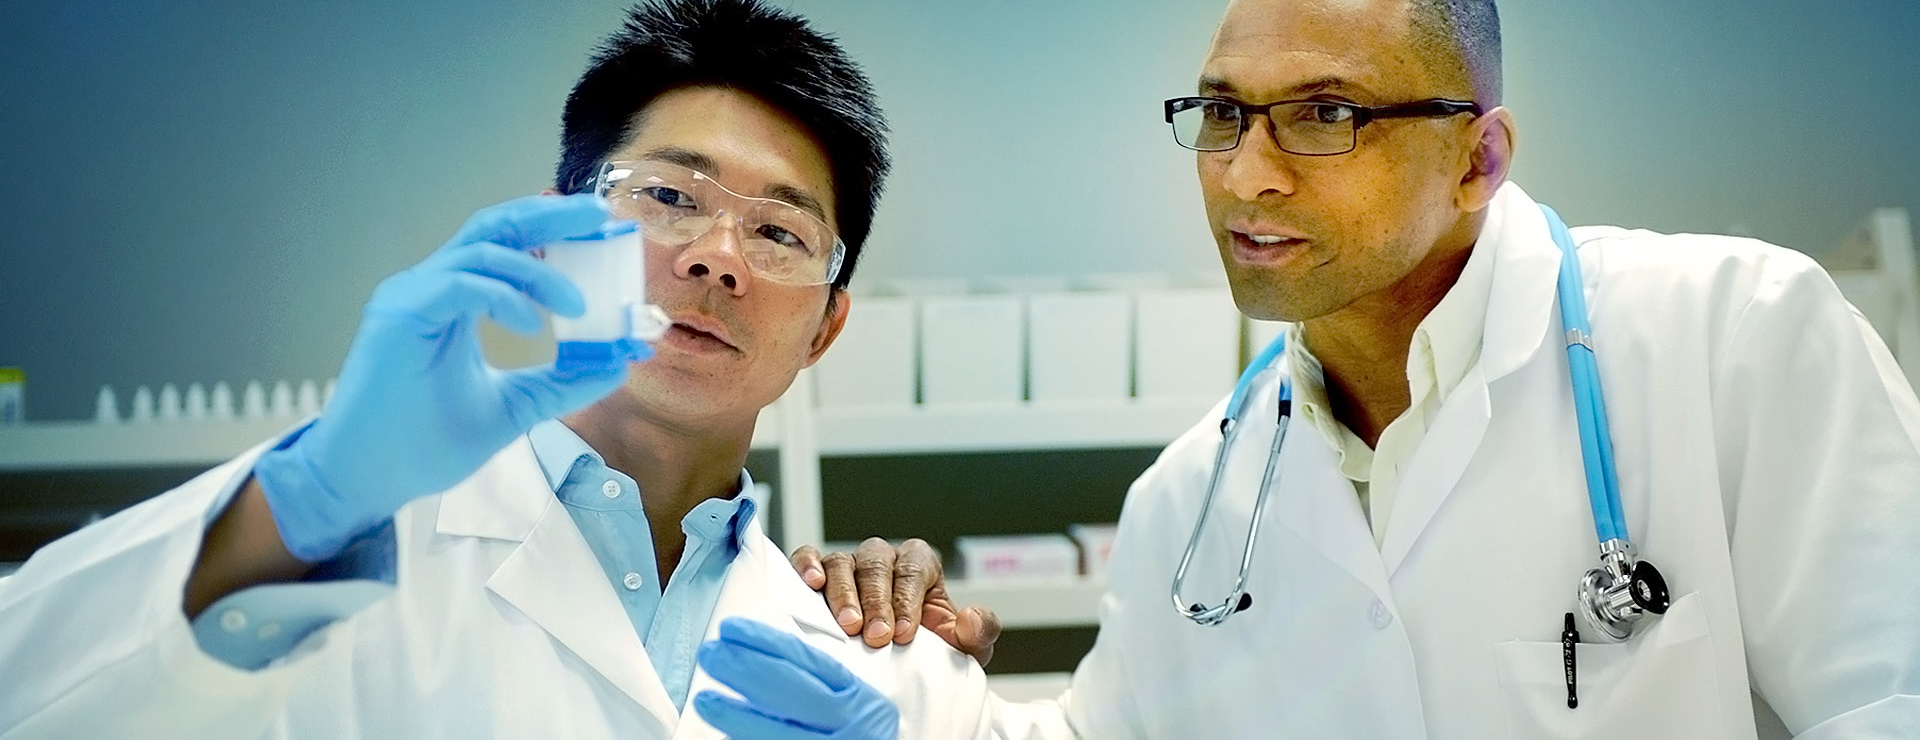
(1422, 109)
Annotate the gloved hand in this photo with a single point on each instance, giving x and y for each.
(792, 691)
(417, 408)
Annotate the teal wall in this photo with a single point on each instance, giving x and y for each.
(209, 190)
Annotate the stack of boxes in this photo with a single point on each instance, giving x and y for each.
(1041, 341)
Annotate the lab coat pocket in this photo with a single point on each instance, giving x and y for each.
(1660, 683)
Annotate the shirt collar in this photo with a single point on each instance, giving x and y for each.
(559, 450)
(717, 518)
(1310, 400)
(1452, 334)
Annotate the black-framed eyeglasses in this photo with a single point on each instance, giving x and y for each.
(1315, 128)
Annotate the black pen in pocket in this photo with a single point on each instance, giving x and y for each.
(1568, 638)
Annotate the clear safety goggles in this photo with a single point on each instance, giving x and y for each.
(780, 241)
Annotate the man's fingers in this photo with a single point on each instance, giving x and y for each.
(843, 594)
(978, 630)
(916, 570)
(972, 631)
(539, 280)
(773, 686)
(535, 394)
(943, 623)
(873, 571)
(937, 615)
(738, 719)
(525, 223)
(764, 638)
(806, 562)
(426, 303)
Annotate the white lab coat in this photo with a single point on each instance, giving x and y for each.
(1769, 463)
(502, 625)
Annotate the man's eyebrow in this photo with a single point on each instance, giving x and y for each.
(707, 166)
(798, 197)
(1217, 86)
(1211, 85)
(1326, 84)
(685, 158)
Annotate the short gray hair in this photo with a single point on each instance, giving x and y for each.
(1464, 36)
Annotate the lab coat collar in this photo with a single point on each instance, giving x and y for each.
(1312, 498)
(761, 586)
(553, 578)
(1525, 271)
(501, 501)
(1526, 264)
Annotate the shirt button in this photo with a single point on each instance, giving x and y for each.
(233, 620)
(611, 488)
(632, 581)
(1379, 615)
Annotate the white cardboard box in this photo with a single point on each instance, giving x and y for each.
(871, 363)
(1096, 545)
(1186, 342)
(971, 349)
(1079, 346)
(1030, 557)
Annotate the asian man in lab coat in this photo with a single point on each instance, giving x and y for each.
(1429, 522)
(454, 551)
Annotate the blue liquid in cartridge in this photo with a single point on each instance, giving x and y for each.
(596, 354)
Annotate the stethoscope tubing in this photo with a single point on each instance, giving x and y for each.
(1590, 406)
(1596, 444)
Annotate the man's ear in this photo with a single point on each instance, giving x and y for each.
(550, 191)
(1489, 156)
(838, 303)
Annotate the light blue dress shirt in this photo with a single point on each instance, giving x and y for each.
(605, 504)
(253, 627)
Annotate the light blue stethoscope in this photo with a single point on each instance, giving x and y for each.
(1612, 597)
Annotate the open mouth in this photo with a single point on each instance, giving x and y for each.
(691, 339)
(1265, 248)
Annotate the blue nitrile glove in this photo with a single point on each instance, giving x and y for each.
(418, 409)
(792, 691)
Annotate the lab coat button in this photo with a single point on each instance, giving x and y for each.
(632, 581)
(233, 620)
(1379, 615)
(611, 488)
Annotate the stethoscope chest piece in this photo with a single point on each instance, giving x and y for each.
(1616, 595)
(1649, 588)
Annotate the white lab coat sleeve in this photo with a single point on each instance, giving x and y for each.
(1819, 455)
(95, 643)
(1097, 705)
(941, 693)
(1100, 703)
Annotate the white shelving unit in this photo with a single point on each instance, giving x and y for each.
(1013, 427)
(82, 445)
(804, 430)
(1037, 605)
(801, 438)
(62, 445)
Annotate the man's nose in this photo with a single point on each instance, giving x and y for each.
(716, 257)
(1258, 165)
